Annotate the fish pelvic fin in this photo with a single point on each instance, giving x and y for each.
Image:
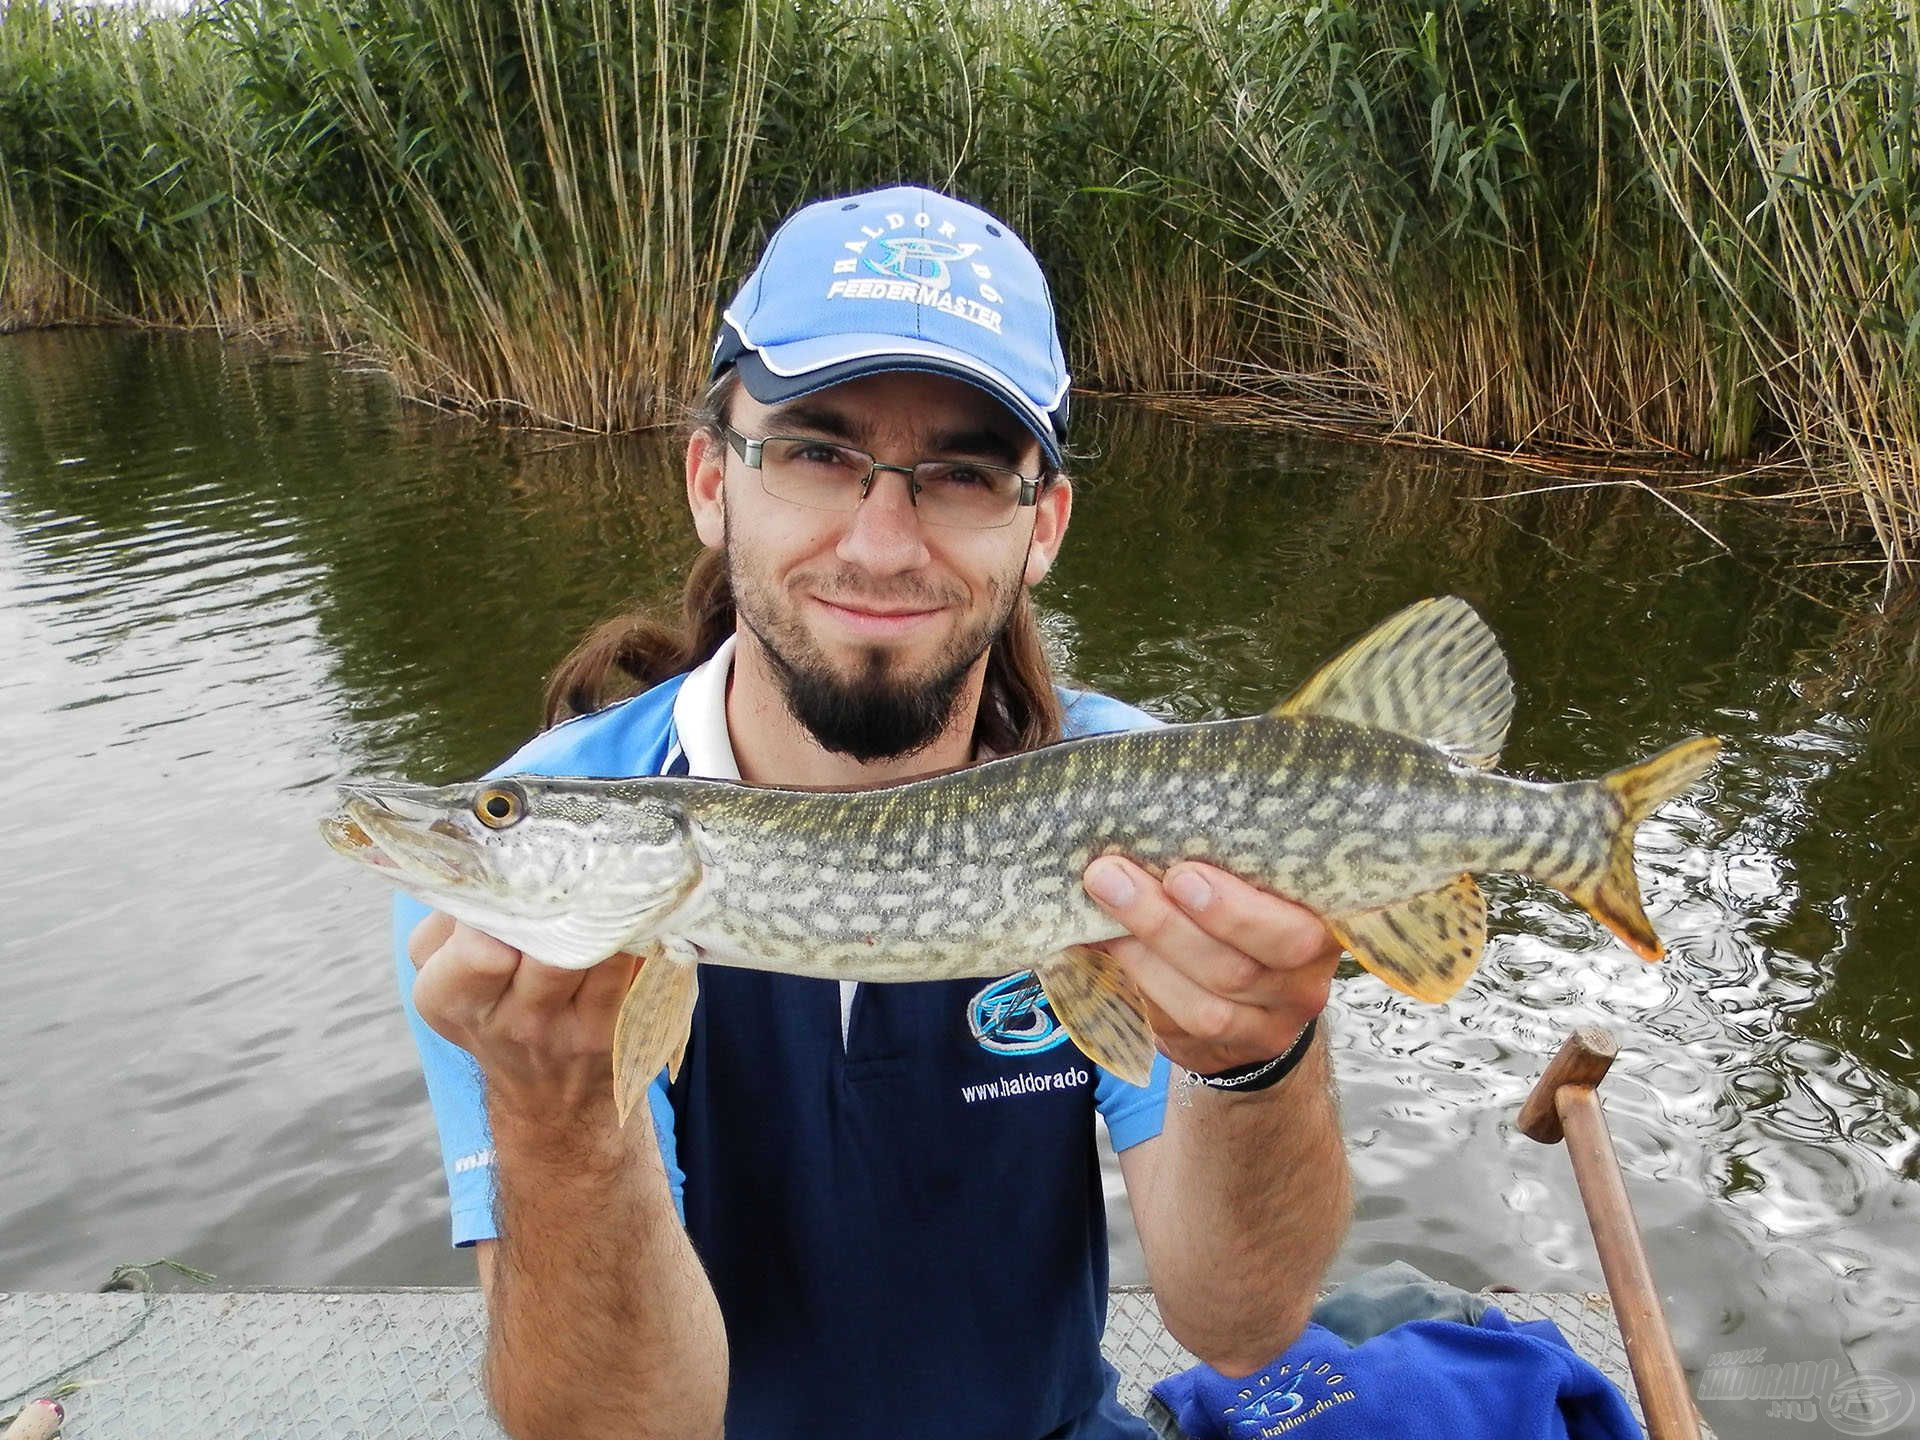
(1425, 947)
(1434, 672)
(1101, 1010)
(651, 1030)
(1611, 891)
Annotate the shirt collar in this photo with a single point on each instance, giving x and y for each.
(700, 716)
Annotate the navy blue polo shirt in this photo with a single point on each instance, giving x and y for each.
(903, 1224)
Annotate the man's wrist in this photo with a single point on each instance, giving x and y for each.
(584, 1138)
(1262, 1074)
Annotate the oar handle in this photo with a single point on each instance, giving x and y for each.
(1565, 1105)
(1584, 1059)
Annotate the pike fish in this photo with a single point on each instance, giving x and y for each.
(1369, 796)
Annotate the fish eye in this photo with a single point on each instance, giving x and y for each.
(498, 807)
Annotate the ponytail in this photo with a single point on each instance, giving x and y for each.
(635, 651)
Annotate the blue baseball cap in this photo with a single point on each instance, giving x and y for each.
(899, 279)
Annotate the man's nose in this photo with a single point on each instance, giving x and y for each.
(884, 534)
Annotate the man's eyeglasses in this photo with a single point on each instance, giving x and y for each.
(823, 475)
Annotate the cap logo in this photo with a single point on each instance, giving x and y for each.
(917, 270)
(912, 257)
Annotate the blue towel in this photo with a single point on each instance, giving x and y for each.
(1438, 1378)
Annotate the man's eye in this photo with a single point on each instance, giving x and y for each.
(821, 455)
(959, 476)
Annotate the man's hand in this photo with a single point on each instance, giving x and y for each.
(600, 1320)
(1240, 1205)
(1230, 973)
(542, 1035)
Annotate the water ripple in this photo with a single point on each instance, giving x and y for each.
(223, 587)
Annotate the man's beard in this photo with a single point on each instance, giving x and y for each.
(871, 715)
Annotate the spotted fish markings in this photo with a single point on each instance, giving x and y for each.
(1368, 796)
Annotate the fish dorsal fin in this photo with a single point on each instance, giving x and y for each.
(1434, 672)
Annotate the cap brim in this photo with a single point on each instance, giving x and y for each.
(780, 373)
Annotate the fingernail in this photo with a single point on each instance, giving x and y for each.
(1109, 883)
(1190, 890)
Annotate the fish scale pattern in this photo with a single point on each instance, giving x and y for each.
(403, 1364)
(978, 872)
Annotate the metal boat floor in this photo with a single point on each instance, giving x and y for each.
(401, 1364)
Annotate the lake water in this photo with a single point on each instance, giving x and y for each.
(229, 579)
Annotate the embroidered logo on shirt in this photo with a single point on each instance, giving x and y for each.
(1012, 1017)
(1006, 1087)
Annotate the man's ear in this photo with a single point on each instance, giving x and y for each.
(706, 476)
(1050, 514)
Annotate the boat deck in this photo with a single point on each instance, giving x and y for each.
(401, 1364)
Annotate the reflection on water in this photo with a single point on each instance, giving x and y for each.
(227, 581)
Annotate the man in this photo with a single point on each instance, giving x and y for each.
(842, 1219)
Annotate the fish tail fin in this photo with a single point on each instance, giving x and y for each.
(1611, 891)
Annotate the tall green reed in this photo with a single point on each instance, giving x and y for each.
(126, 195)
(1051, 113)
(1786, 137)
(1454, 221)
(529, 202)
(1627, 224)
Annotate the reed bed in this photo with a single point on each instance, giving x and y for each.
(1677, 229)
(129, 178)
(1802, 202)
(528, 203)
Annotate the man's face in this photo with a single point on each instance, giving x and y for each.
(873, 621)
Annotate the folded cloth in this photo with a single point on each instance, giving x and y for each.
(1390, 1295)
(1436, 1378)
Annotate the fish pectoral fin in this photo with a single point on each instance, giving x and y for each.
(1425, 947)
(654, 1022)
(1434, 672)
(1102, 1011)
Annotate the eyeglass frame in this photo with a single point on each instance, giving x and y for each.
(751, 452)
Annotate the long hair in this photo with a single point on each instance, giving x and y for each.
(628, 653)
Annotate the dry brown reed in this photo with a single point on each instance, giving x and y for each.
(1646, 228)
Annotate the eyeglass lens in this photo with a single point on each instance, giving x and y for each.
(823, 476)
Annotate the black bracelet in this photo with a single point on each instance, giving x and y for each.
(1244, 1079)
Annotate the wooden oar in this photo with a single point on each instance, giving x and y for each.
(1565, 1105)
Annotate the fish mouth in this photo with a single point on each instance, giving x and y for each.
(396, 826)
(346, 837)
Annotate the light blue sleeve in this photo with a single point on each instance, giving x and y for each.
(1088, 712)
(454, 1087)
(1133, 1112)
